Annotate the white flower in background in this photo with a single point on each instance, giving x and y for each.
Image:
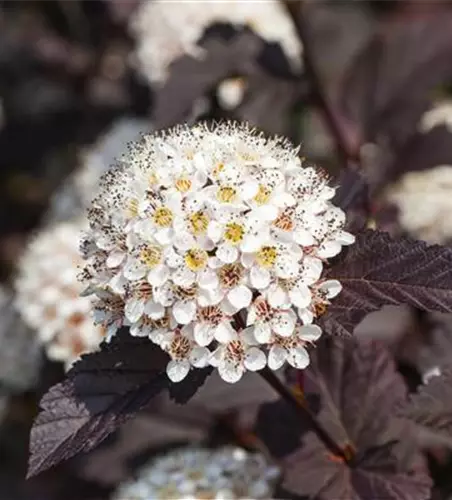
(78, 190)
(212, 242)
(48, 294)
(200, 473)
(424, 202)
(230, 93)
(440, 114)
(166, 31)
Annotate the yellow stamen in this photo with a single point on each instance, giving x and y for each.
(133, 207)
(284, 221)
(196, 259)
(163, 217)
(262, 195)
(183, 184)
(151, 255)
(226, 194)
(199, 222)
(216, 171)
(234, 233)
(153, 179)
(266, 256)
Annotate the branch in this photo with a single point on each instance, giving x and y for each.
(301, 408)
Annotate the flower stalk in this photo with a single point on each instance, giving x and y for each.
(300, 406)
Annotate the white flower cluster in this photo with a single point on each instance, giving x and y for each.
(424, 201)
(48, 294)
(198, 473)
(167, 30)
(440, 114)
(211, 242)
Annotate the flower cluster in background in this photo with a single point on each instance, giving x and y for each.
(212, 242)
(424, 203)
(166, 31)
(76, 193)
(439, 114)
(48, 294)
(198, 473)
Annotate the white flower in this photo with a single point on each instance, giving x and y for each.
(424, 203)
(268, 321)
(292, 349)
(165, 31)
(230, 93)
(440, 114)
(237, 354)
(194, 226)
(48, 294)
(184, 353)
(321, 293)
(212, 323)
(199, 473)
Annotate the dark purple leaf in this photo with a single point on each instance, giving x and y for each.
(422, 152)
(352, 196)
(391, 82)
(164, 423)
(102, 391)
(268, 101)
(183, 391)
(378, 270)
(191, 79)
(358, 389)
(431, 406)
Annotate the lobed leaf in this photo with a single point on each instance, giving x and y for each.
(378, 270)
(358, 389)
(391, 82)
(431, 406)
(102, 391)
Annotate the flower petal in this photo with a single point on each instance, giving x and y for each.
(227, 253)
(298, 357)
(283, 323)
(177, 370)
(345, 238)
(230, 372)
(309, 333)
(208, 279)
(262, 332)
(303, 237)
(115, 259)
(276, 357)
(158, 276)
(154, 310)
(259, 277)
(255, 359)
(204, 334)
(277, 297)
(329, 249)
(134, 270)
(331, 287)
(240, 296)
(224, 333)
(183, 277)
(133, 310)
(199, 357)
(300, 295)
(214, 231)
(184, 312)
(306, 316)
